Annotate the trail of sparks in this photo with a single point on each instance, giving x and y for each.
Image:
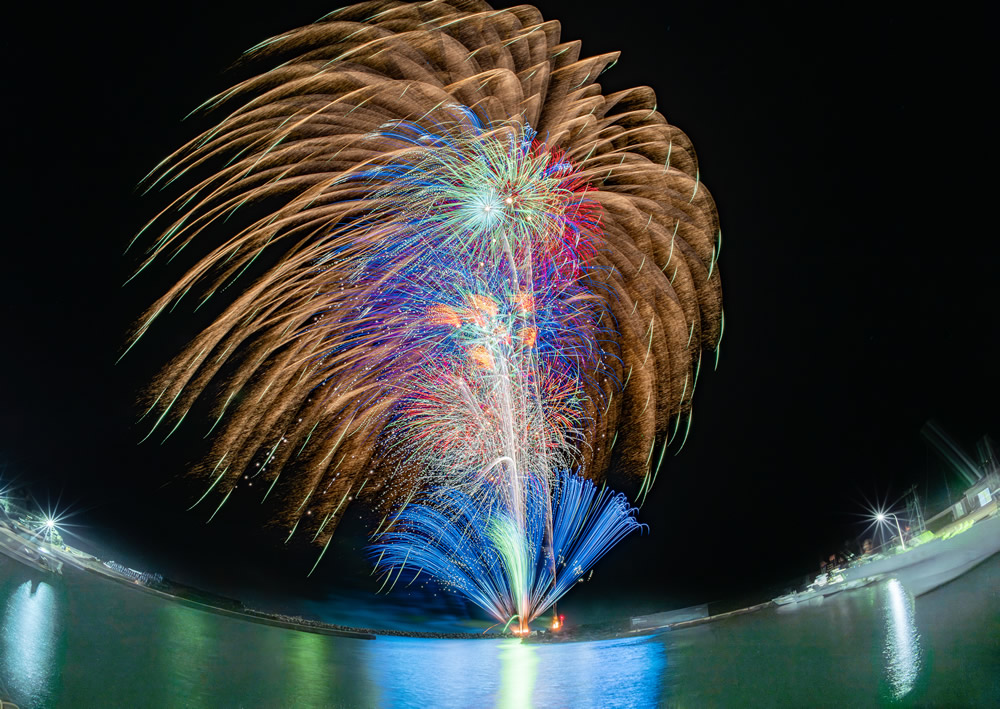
(452, 269)
(492, 331)
(504, 569)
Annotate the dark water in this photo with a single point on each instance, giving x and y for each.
(80, 641)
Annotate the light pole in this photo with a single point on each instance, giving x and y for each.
(881, 518)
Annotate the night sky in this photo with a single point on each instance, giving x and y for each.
(848, 152)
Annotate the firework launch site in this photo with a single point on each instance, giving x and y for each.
(168, 651)
(960, 537)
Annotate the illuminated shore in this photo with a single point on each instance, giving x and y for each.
(956, 549)
(19, 545)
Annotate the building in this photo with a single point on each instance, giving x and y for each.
(981, 494)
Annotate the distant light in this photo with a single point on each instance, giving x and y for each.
(880, 517)
(50, 523)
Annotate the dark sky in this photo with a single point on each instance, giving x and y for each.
(848, 151)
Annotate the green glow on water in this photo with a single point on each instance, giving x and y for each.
(79, 640)
(185, 642)
(518, 671)
(310, 672)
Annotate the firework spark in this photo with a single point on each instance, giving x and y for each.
(450, 268)
(510, 571)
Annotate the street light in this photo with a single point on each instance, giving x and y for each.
(880, 517)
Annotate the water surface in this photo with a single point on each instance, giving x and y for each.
(79, 641)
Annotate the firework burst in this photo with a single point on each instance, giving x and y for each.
(483, 272)
(513, 572)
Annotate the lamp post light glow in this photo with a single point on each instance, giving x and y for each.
(877, 516)
(49, 525)
(880, 517)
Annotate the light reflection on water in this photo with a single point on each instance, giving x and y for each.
(412, 672)
(902, 643)
(518, 672)
(29, 641)
(610, 673)
(185, 642)
(80, 641)
(310, 668)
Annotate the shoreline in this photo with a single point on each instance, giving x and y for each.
(43, 557)
(10, 540)
(82, 561)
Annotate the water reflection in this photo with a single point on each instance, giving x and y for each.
(518, 669)
(313, 672)
(186, 641)
(902, 643)
(80, 639)
(411, 672)
(29, 642)
(611, 673)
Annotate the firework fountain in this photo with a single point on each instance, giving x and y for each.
(495, 310)
(485, 276)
